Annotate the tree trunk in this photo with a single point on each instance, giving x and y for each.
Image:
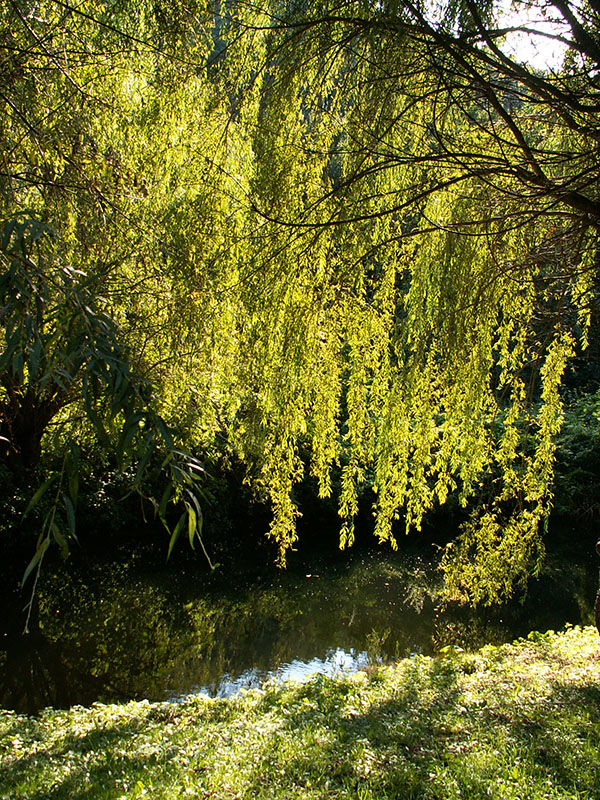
(24, 418)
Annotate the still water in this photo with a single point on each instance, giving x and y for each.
(119, 633)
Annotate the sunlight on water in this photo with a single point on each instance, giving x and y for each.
(336, 663)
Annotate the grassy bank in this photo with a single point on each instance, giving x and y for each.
(518, 721)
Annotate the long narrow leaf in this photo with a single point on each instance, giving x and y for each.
(192, 524)
(38, 495)
(162, 508)
(147, 451)
(69, 508)
(97, 423)
(164, 432)
(130, 428)
(60, 539)
(74, 486)
(38, 555)
(175, 534)
(194, 501)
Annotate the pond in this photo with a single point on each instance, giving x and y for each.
(119, 632)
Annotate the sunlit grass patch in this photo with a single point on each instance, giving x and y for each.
(516, 721)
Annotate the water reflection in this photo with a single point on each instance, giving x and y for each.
(117, 634)
(335, 663)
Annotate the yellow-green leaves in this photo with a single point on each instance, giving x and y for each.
(319, 243)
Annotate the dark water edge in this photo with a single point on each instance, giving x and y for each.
(118, 631)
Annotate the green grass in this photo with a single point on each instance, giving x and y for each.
(519, 721)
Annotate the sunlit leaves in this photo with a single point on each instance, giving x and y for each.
(445, 328)
(348, 246)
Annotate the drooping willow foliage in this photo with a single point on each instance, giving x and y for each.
(427, 218)
(356, 240)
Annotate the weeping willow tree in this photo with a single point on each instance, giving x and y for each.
(354, 240)
(423, 231)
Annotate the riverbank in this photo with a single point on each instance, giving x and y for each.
(514, 721)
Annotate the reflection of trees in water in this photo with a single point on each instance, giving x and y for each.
(116, 636)
(560, 596)
(37, 671)
(33, 673)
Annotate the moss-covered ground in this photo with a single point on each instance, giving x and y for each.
(518, 721)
